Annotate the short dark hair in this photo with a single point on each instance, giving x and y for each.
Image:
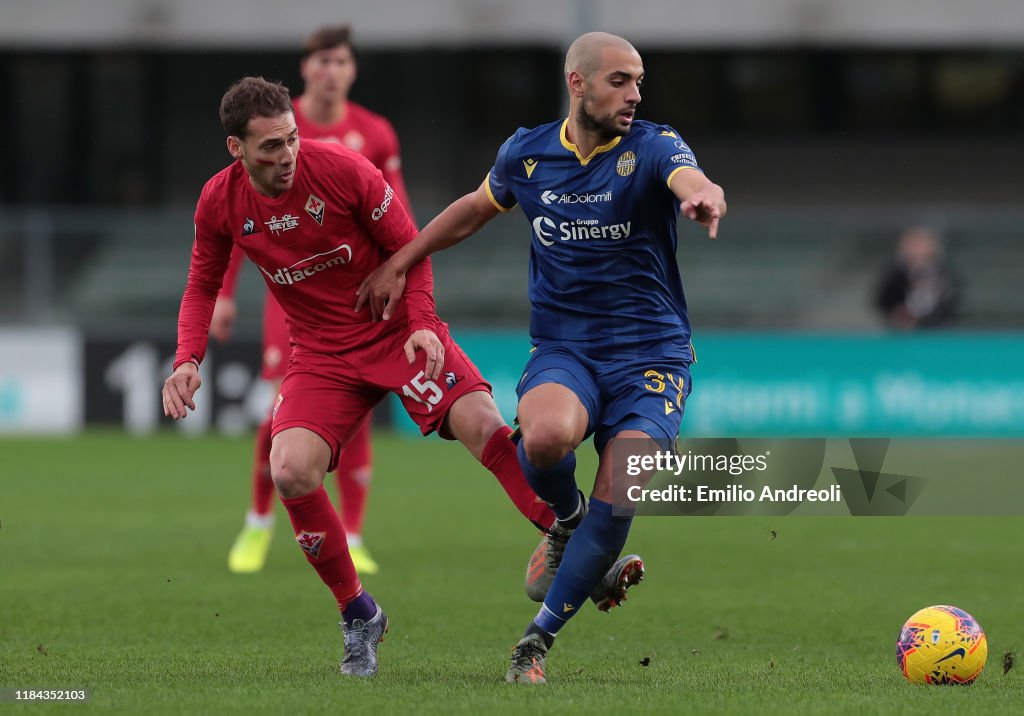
(327, 38)
(252, 97)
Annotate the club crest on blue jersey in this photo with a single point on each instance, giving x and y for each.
(626, 164)
(315, 208)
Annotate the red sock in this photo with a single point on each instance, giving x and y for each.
(500, 458)
(262, 485)
(319, 533)
(353, 478)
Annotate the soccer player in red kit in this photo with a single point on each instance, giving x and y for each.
(325, 113)
(316, 224)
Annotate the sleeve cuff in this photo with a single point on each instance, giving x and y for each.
(490, 195)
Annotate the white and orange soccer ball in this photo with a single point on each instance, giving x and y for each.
(941, 645)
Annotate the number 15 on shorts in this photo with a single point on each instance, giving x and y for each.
(424, 392)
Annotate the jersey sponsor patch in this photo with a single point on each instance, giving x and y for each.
(309, 266)
(379, 212)
(278, 226)
(315, 207)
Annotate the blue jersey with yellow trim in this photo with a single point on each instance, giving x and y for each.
(603, 270)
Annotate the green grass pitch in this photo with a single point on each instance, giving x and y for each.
(113, 577)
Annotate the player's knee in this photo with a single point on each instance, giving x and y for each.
(486, 423)
(291, 477)
(547, 446)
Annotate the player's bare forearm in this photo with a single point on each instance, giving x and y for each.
(463, 218)
(701, 200)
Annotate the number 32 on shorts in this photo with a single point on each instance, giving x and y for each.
(424, 392)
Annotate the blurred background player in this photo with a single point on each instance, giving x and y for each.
(919, 289)
(324, 112)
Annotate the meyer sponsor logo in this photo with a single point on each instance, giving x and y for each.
(578, 230)
(550, 197)
(379, 212)
(285, 223)
(310, 266)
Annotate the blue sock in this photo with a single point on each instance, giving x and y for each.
(593, 547)
(555, 485)
(362, 607)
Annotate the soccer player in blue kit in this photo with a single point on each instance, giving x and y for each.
(602, 191)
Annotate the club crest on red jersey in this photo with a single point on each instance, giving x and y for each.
(311, 542)
(450, 379)
(315, 207)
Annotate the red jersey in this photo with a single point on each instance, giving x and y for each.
(362, 131)
(313, 244)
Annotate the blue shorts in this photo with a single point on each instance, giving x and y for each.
(646, 394)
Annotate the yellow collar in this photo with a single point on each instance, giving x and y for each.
(572, 147)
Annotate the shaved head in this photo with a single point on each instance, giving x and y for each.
(584, 55)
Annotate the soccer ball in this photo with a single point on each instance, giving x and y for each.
(941, 645)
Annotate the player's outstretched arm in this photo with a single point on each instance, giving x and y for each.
(179, 389)
(463, 218)
(701, 200)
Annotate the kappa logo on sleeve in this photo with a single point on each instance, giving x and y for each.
(311, 542)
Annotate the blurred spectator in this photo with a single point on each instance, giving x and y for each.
(919, 290)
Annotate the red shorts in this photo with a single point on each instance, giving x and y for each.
(330, 394)
(276, 340)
